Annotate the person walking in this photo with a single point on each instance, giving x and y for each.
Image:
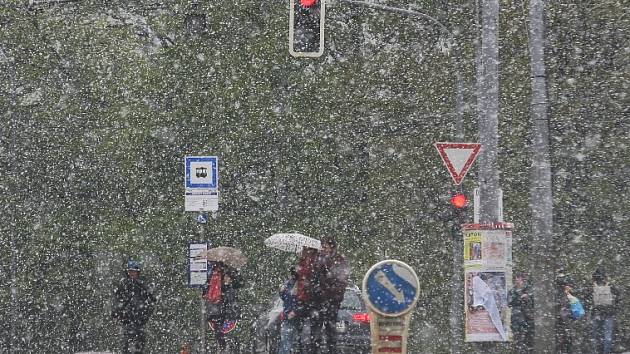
(571, 326)
(564, 333)
(132, 306)
(221, 299)
(305, 273)
(603, 299)
(521, 301)
(305, 289)
(330, 280)
(291, 311)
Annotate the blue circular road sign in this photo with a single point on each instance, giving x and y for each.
(390, 288)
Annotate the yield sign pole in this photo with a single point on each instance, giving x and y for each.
(458, 158)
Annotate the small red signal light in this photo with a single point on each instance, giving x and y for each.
(308, 3)
(361, 318)
(459, 201)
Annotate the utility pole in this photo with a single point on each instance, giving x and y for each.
(540, 190)
(457, 300)
(457, 282)
(488, 111)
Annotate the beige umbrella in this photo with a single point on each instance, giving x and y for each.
(231, 256)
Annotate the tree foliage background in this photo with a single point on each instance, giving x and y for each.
(101, 102)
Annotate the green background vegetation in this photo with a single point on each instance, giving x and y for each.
(100, 103)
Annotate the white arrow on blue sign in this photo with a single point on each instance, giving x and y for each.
(390, 288)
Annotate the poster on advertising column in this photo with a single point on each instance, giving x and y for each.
(487, 279)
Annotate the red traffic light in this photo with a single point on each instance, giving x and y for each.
(459, 200)
(308, 3)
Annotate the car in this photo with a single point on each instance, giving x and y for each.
(352, 327)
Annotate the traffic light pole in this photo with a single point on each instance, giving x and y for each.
(459, 81)
(457, 281)
(457, 299)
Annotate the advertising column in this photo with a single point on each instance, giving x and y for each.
(487, 279)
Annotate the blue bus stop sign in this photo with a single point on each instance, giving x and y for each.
(391, 288)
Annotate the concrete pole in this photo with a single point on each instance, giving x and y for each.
(540, 192)
(488, 110)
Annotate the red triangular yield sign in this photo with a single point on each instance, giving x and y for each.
(458, 157)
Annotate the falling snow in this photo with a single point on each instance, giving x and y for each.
(101, 102)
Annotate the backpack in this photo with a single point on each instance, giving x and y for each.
(214, 288)
(602, 295)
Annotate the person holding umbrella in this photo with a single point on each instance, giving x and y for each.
(330, 279)
(305, 273)
(298, 290)
(221, 299)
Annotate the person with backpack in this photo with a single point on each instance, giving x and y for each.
(603, 300)
(330, 279)
(221, 299)
(132, 306)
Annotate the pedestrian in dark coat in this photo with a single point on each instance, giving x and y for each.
(132, 306)
(521, 301)
(571, 333)
(330, 281)
(221, 299)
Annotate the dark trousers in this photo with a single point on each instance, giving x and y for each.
(219, 336)
(133, 339)
(523, 340)
(572, 337)
(323, 322)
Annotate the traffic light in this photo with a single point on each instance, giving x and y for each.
(455, 216)
(459, 201)
(306, 28)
